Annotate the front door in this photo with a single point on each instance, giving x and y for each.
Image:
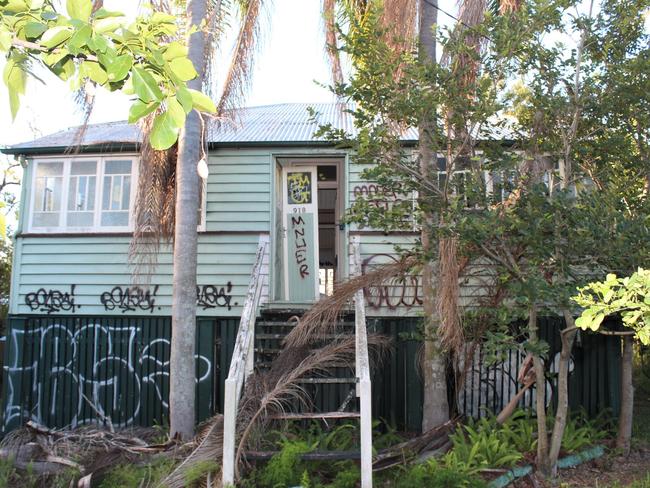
(300, 245)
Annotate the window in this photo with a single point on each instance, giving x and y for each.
(82, 194)
(116, 193)
(48, 186)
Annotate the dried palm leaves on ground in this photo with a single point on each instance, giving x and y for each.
(89, 451)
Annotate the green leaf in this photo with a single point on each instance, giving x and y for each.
(185, 99)
(183, 68)
(36, 4)
(55, 36)
(109, 24)
(34, 29)
(16, 6)
(174, 50)
(79, 39)
(102, 13)
(202, 102)
(98, 43)
(164, 132)
(3, 226)
(145, 86)
(95, 72)
(176, 111)
(5, 40)
(119, 68)
(79, 9)
(584, 321)
(15, 79)
(140, 109)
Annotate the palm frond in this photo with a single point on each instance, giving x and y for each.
(154, 206)
(331, 40)
(323, 317)
(209, 447)
(239, 75)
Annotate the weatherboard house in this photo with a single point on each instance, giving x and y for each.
(85, 345)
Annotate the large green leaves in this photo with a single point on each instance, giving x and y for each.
(145, 86)
(183, 69)
(56, 36)
(164, 132)
(79, 9)
(202, 102)
(15, 79)
(119, 68)
(140, 109)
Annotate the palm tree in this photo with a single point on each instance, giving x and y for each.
(168, 199)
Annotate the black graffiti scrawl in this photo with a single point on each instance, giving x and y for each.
(130, 299)
(210, 296)
(51, 301)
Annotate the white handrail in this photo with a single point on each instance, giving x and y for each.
(362, 368)
(241, 364)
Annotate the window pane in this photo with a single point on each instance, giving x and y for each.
(83, 167)
(80, 219)
(48, 194)
(126, 193)
(115, 219)
(106, 192)
(92, 183)
(118, 167)
(73, 194)
(49, 169)
(49, 219)
(116, 193)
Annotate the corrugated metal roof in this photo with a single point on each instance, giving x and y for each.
(269, 124)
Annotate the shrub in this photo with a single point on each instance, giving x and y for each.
(433, 474)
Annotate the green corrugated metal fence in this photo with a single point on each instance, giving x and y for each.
(70, 371)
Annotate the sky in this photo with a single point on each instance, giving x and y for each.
(290, 58)
(290, 61)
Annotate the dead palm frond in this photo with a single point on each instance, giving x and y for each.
(240, 71)
(277, 390)
(323, 317)
(450, 330)
(155, 201)
(154, 207)
(209, 448)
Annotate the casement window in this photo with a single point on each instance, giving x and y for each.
(88, 194)
(83, 194)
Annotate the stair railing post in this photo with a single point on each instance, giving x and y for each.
(364, 389)
(241, 364)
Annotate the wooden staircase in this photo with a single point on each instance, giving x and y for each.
(342, 392)
(332, 394)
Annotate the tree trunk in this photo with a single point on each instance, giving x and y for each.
(435, 409)
(540, 405)
(627, 398)
(182, 374)
(568, 336)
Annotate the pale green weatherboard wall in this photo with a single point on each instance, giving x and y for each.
(238, 209)
(238, 206)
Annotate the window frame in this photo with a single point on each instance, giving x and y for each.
(99, 174)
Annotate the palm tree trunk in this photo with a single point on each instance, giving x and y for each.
(182, 376)
(435, 409)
